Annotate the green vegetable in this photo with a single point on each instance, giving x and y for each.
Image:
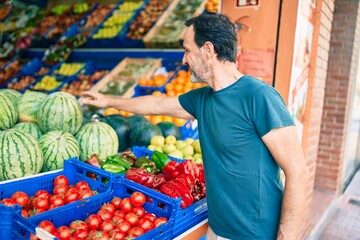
(143, 162)
(160, 159)
(113, 167)
(117, 159)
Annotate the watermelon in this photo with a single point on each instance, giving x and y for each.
(97, 138)
(32, 128)
(20, 155)
(141, 135)
(28, 105)
(136, 120)
(122, 128)
(8, 112)
(169, 128)
(11, 93)
(60, 111)
(56, 147)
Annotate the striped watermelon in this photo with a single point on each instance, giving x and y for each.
(97, 138)
(56, 147)
(8, 112)
(60, 111)
(20, 155)
(32, 128)
(28, 105)
(11, 93)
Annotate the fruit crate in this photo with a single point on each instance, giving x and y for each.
(161, 207)
(74, 170)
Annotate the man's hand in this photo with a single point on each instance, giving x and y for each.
(95, 99)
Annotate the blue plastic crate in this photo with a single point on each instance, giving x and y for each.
(161, 207)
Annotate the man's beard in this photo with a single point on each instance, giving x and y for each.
(194, 78)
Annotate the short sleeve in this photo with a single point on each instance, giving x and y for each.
(189, 100)
(269, 110)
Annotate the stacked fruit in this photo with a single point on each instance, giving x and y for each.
(9, 71)
(22, 83)
(69, 69)
(120, 219)
(156, 80)
(47, 83)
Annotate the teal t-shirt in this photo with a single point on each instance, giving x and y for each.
(243, 185)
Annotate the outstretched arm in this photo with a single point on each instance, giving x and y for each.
(145, 105)
(286, 149)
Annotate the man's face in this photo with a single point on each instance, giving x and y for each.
(193, 58)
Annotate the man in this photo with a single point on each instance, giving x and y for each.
(245, 132)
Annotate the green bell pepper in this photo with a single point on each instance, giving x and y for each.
(160, 159)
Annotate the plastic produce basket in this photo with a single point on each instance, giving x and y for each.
(161, 207)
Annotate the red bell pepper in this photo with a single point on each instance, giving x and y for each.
(201, 173)
(171, 170)
(188, 180)
(171, 191)
(159, 180)
(189, 167)
(139, 175)
(183, 190)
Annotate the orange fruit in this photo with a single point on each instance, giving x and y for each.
(110, 111)
(167, 119)
(169, 87)
(179, 121)
(170, 93)
(157, 93)
(156, 119)
(182, 73)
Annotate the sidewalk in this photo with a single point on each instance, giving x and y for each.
(342, 220)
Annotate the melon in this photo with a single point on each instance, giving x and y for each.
(169, 128)
(8, 112)
(60, 111)
(136, 120)
(122, 128)
(97, 138)
(28, 127)
(28, 105)
(11, 93)
(20, 155)
(141, 134)
(57, 146)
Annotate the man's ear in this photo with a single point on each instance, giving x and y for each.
(209, 49)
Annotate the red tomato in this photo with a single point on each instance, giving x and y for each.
(78, 224)
(139, 211)
(8, 202)
(107, 226)
(137, 199)
(123, 226)
(80, 233)
(42, 193)
(52, 206)
(20, 198)
(35, 212)
(146, 224)
(41, 203)
(109, 207)
(63, 232)
(160, 221)
(116, 202)
(82, 185)
(56, 200)
(93, 221)
(117, 219)
(71, 195)
(24, 213)
(60, 188)
(136, 231)
(98, 235)
(86, 193)
(125, 205)
(61, 179)
(119, 213)
(105, 214)
(47, 226)
(150, 216)
(116, 234)
(132, 218)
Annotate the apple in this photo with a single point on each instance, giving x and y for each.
(189, 141)
(189, 157)
(170, 139)
(151, 147)
(179, 144)
(159, 149)
(187, 150)
(176, 154)
(157, 140)
(198, 158)
(196, 146)
(168, 148)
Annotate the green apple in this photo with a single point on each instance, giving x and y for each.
(157, 140)
(187, 150)
(196, 146)
(189, 157)
(168, 148)
(176, 154)
(170, 139)
(179, 144)
(189, 141)
(158, 148)
(197, 158)
(151, 147)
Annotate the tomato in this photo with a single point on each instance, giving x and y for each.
(139, 211)
(117, 219)
(8, 202)
(123, 226)
(105, 214)
(78, 224)
(119, 213)
(56, 200)
(80, 233)
(116, 202)
(43, 193)
(47, 226)
(86, 193)
(125, 205)
(82, 185)
(116, 234)
(136, 231)
(132, 218)
(63, 232)
(160, 221)
(146, 224)
(61, 179)
(34, 212)
(71, 195)
(137, 199)
(41, 203)
(93, 221)
(150, 216)
(109, 207)
(107, 226)
(60, 188)
(98, 235)
(20, 198)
